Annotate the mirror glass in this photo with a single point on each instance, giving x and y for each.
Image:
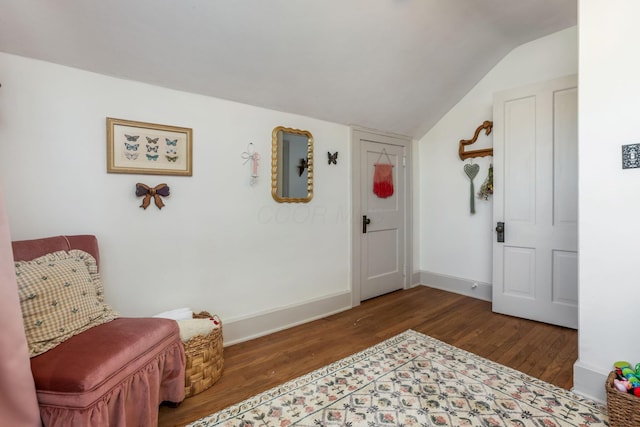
(291, 165)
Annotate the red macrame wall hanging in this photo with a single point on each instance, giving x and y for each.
(383, 177)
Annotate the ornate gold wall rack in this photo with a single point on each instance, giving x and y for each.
(488, 126)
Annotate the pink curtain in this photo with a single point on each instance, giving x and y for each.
(18, 403)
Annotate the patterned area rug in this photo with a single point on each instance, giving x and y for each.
(413, 380)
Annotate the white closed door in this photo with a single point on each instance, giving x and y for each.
(382, 233)
(535, 269)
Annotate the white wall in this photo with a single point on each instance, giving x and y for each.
(225, 246)
(609, 105)
(455, 247)
(220, 244)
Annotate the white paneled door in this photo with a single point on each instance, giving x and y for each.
(535, 268)
(382, 242)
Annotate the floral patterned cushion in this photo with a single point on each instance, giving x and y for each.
(61, 295)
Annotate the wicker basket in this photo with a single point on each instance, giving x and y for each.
(204, 358)
(623, 408)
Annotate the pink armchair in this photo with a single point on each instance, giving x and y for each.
(114, 374)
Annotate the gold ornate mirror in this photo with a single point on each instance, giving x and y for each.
(291, 165)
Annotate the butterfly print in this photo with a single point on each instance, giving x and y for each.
(131, 156)
(172, 158)
(133, 138)
(151, 149)
(333, 158)
(172, 151)
(131, 147)
(152, 141)
(170, 142)
(153, 157)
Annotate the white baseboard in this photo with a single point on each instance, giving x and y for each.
(256, 325)
(415, 279)
(259, 324)
(589, 382)
(471, 288)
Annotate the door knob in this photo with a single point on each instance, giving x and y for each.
(365, 221)
(500, 231)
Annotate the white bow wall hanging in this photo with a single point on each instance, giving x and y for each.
(252, 156)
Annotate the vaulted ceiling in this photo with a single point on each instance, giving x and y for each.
(392, 65)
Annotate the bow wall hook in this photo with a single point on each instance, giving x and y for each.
(149, 192)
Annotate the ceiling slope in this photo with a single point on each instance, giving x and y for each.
(392, 65)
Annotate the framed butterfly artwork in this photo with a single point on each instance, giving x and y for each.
(148, 148)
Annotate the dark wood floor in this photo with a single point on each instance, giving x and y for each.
(537, 349)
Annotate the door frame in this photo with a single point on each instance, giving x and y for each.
(356, 208)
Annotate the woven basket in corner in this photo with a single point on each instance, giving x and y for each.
(204, 358)
(623, 408)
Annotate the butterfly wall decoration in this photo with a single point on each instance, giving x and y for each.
(333, 158)
(302, 165)
(148, 149)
